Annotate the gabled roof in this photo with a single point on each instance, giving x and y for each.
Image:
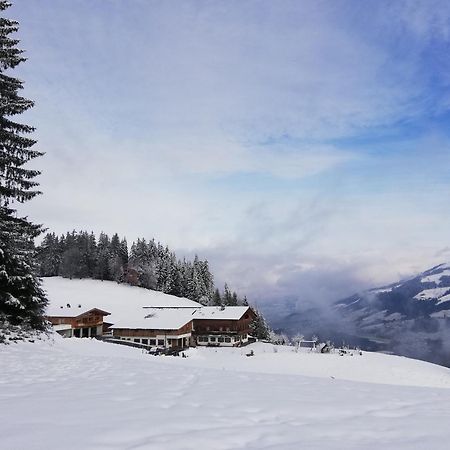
(220, 313)
(128, 306)
(73, 312)
(100, 311)
(65, 310)
(158, 319)
(121, 300)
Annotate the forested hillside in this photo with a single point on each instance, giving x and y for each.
(148, 264)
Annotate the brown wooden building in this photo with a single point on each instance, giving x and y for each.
(227, 326)
(183, 327)
(72, 323)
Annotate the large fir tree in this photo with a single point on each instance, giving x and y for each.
(22, 300)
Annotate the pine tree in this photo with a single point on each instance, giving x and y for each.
(102, 271)
(115, 264)
(22, 301)
(48, 256)
(217, 299)
(227, 297)
(259, 327)
(143, 261)
(206, 281)
(234, 299)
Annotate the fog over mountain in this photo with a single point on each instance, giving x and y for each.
(410, 317)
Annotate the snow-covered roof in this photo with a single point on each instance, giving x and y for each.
(67, 310)
(217, 312)
(129, 306)
(158, 319)
(123, 301)
(174, 318)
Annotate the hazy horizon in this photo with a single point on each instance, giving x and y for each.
(303, 148)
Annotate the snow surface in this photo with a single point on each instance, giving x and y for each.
(431, 294)
(443, 299)
(436, 278)
(82, 393)
(216, 312)
(130, 306)
(158, 319)
(123, 301)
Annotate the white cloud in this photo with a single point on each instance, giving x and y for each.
(149, 112)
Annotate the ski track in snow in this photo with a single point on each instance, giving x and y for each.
(87, 394)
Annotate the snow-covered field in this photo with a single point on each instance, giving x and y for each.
(80, 393)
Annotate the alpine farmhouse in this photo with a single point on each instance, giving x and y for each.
(91, 308)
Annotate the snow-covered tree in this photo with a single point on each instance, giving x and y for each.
(259, 327)
(115, 259)
(234, 299)
(22, 300)
(143, 261)
(278, 338)
(298, 339)
(227, 296)
(102, 271)
(216, 299)
(49, 256)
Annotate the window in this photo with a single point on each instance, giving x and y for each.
(160, 341)
(137, 340)
(145, 341)
(212, 339)
(221, 339)
(227, 339)
(152, 341)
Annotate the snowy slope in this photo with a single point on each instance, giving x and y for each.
(93, 395)
(125, 303)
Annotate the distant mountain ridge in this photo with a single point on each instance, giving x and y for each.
(425, 295)
(410, 317)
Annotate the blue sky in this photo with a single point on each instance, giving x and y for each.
(299, 145)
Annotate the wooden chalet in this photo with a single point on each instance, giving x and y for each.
(74, 322)
(226, 326)
(147, 318)
(164, 327)
(183, 327)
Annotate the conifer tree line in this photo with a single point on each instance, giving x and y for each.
(22, 301)
(147, 263)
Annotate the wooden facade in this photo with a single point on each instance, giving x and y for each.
(179, 338)
(134, 332)
(215, 326)
(198, 331)
(223, 332)
(210, 329)
(87, 324)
